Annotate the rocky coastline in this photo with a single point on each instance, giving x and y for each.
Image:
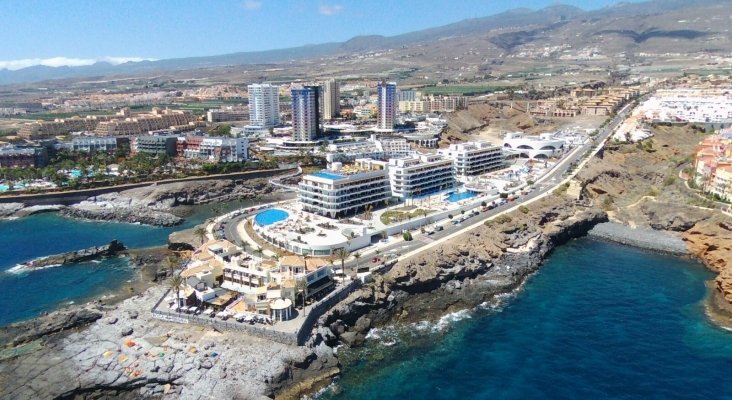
(462, 273)
(108, 250)
(490, 260)
(645, 238)
(156, 204)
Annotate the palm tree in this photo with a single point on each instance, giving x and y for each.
(356, 256)
(367, 213)
(200, 233)
(175, 282)
(259, 250)
(171, 262)
(302, 287)
(342, 254)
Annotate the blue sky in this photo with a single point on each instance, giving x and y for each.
(77, 32)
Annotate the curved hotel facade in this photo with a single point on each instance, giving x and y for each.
(542, 146)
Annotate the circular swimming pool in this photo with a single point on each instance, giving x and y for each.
(271, 216)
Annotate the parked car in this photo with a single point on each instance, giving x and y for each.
(438, 228)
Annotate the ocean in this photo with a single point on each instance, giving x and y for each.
(598, 321)
(27, 294)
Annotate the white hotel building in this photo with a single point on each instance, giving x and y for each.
(420, 175)
(345, 190)
(474, 158)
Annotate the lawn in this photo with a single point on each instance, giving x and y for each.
(392, 216)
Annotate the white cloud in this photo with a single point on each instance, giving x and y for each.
(66, 62)
(252, 5)
(330, 10)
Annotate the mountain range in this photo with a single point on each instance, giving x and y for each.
(637, 27)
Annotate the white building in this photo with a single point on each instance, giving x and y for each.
(386, 106)
(543, 146)
(375, 148)
(345, 190)
(420, 175)
(331, 99)
(264, 105)
(474, 158)
(219, 149)
(93, 143)
(395, 147)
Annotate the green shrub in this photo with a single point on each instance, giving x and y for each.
(670, 180)
(407, 236)
(524, 209)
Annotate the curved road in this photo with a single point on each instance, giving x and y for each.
(544, 185)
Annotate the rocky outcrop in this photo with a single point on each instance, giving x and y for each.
(8, 210)
(91, 253)
(132, 215)
(40, 327)
(711, 241)
(672, 217)
(130, 355)
(462, 273)
(155, 204)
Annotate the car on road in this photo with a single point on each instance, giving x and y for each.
(438, 228)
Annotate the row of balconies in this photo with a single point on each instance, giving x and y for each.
(346, 203)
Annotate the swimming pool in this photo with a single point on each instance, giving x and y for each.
(269, 217)
(328, 175)
(455, 196)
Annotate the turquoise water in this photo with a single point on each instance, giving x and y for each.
(25, 295)
(599, 321)
(271, 216)
(328, 175)
(455, 196)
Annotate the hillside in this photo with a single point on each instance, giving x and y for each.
(625, 33)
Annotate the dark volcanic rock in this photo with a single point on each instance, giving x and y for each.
(52, 323)
(462, 273)
(88, 254)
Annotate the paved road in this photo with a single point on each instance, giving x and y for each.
(546, 184)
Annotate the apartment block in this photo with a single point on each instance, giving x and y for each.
(264, 105)
(331, 99)
(346, 190)
(91, 144)
(228, 114)
(386, 106)
(154, 145)
(474, 158)
(305, 113)
(217, 149)
(23, 157)
(420, 175)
